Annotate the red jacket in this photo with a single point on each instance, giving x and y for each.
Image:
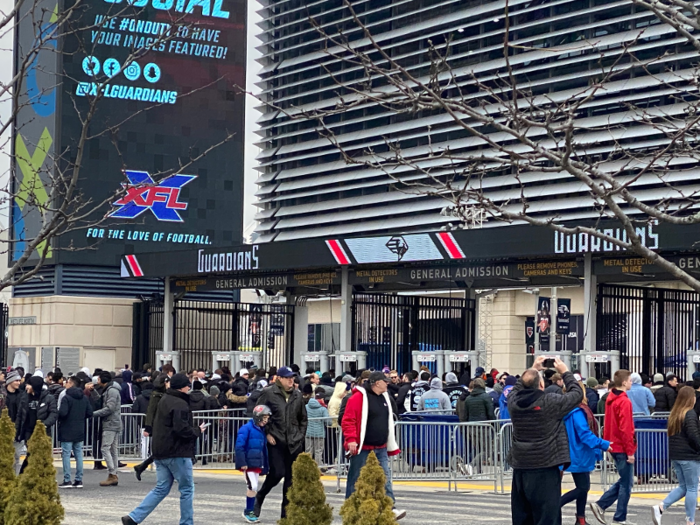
(619, 424)
(354, 422)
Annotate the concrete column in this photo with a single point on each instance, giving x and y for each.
(345, 344)
(590, 290)
(300, 344)
(168, 312)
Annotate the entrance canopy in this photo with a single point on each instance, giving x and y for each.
(500, 257)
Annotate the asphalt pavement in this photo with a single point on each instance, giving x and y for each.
(220, 498)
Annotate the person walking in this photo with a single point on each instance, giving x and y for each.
(618, 428)
(75, 410)
(160, 385)
(174, 439)
(41, 406)
(585, 448)
(684, 453)
(111, 416)
(286, 432)
(251, 456)
(540, 444)
(368, 426)
(16, 403)
(318, 420)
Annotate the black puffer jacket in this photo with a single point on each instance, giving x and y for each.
(140, 405)
(198, 401)
(539, 433)
(156, 396)
(288, 421)
(685, 446)
(174, 433)
(238, 395)
(665, 398)
(478, 406)
(75, 410)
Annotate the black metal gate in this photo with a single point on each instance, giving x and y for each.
(390, 327)
(203, 327)
(653, 328)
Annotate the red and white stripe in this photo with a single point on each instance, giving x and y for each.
(338, 252)
(451, 247)
(134, 265)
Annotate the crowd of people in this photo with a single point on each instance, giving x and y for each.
(552, 411)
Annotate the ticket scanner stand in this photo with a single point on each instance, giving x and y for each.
(588, 360)
(318, 360)
(222, 359)
(246, 360)
(434, 360)
(164, 358)
(458, 360)
(344, 362)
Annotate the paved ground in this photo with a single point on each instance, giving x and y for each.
(219, 498)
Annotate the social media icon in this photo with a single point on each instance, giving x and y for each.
(111, 67)
(151, 72)
(132, 71)
(91, 66)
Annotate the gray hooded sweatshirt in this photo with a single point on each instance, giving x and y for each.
(435, 400)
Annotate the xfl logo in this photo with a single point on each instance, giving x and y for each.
(142, 193)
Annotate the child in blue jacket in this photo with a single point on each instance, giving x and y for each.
(251, 456)
(585, 448)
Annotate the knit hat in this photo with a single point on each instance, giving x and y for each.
(196, 385)
(591, 382)
(37, 384)
(307, 389)
(347, 378)
(214, 391)
(261, 384)
(12, 376)
(658, 378)
(39, 373)
(511, 380)
(179, 381)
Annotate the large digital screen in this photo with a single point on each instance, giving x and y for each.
(167, 130)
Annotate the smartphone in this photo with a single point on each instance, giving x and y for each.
(206, 425)
(548, 363)
(348, 454)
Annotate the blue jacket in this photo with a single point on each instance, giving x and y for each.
(251, 447)
(317, 427)
(585, 448)
(503, 403)
(642, 399)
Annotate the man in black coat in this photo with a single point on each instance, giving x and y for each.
(540, 444)
(174, 439)
(286, 432)
(666, 395)
(16, 402)
(75, 410)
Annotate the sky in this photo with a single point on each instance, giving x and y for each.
(251, 114)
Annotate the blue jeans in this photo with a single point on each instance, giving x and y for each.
(167, 471)
(688, 473)
(356, 464)
(622, 488)
(77, 449)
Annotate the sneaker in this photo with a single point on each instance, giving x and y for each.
(126, 520)
(598, 513)
(656, 513)
(77, 484)
(399, 514)
(66, 485)
(250, 516)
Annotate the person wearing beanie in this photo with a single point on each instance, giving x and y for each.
(509, 383)
(41, 406)
(252, 402)
(453, 389)
(435, 400)
(307, 392)
(592, 396)
(642, 398)
(174, 440)
(666, 395)
(658, 380)
(16, 403)
(111, 417)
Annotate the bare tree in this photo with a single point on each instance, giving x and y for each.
(635, 166)
(44, 183)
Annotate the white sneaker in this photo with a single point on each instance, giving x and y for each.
(598, 513)
(399, 514)
(656, 513)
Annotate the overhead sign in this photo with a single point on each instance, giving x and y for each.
(426, 358)
(258, 281)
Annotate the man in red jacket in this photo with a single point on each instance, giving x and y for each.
(368, 425)
(619, 430)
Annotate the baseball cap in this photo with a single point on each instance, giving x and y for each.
(376, 376)
(285, 371)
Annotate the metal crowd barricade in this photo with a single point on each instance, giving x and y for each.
(505, 443)
(475, 453)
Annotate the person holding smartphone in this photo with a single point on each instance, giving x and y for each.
(174, 439)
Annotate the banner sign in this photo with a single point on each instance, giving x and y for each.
(563, 316)
(544, 321)
(260, 281)
(530, 335)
